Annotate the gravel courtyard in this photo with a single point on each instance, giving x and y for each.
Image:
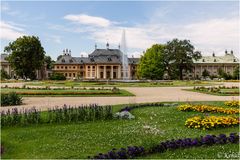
(143, 94)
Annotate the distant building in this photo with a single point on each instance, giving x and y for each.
(212, 64)
(101, 64)
(5, 65)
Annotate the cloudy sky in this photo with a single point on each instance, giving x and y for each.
(210, 26)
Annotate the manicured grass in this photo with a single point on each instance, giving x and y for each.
(121, 84)
(66, 92)
(89, 138)
(223, 92)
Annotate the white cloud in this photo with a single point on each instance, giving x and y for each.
(88, 20)
(83, 54)
(54, 38)
(210, 35)
(10, 32)
(4, 6)
(207, 36)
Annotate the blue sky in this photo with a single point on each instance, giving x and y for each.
(211, 26)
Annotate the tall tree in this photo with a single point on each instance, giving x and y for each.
(49, 62)
(26, 56)
(236, 72)
(151, 64)
(179, 55)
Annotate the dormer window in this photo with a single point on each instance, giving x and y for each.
(234, 60)
(109, 59)
(81, 61)
(215, 60)
(203, 60)
(92, 59)
(71, 61)
(63, 60)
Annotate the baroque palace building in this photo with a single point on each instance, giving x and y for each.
(101, 64)
(228, 62)
(105, 64)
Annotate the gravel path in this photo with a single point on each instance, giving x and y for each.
(143, 94)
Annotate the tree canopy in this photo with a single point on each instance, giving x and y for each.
(26, 56)
(179, 56)
(151, 64)
(236, 72)
(49, 62)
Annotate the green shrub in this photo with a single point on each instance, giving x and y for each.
(57, 76)
(4, 75)
(11, 98)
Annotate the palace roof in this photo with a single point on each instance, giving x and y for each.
(227, 58)
(98, 56)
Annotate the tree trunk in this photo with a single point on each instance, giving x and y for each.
(180, 73)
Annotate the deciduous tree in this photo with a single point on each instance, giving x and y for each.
(151, 65)
(179, 55)
(26, 56)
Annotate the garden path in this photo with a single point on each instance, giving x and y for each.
(143, 94)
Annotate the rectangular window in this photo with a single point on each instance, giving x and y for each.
(73, 74)
(57, 67)
(65, 74)
(93, 67)
(65, 67)
(62, 67)
(70, 74)
(73, 67)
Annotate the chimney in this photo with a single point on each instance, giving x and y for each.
(107, 45)
(213, 54)
(95, 46)
(232, 52)
(225, 51)
(119, 46)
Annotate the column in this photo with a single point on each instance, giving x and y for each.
(90, 71)
(119, 71)
(111, 72)
(97, 74)
(104, 72)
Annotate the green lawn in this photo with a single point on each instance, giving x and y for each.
(121, 84)
(89, 138)
(66, 92)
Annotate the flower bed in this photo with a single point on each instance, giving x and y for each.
(135, 151)
(207, 108)
(134, 106)
(66, 114)
(234, 90)
(68, 93)
(211, 122)
(233, 103)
